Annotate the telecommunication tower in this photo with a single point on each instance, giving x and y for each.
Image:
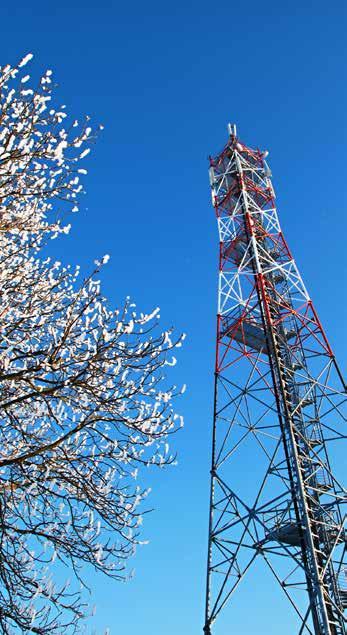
(276, 495)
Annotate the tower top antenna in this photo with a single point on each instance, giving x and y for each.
(232, 129)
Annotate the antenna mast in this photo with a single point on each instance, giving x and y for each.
(279, 407)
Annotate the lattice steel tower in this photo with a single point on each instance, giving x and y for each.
(276, 494)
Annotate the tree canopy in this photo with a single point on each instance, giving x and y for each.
(84, 400)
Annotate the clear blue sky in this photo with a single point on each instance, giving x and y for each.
(164, 79)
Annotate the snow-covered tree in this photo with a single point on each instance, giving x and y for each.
(82, 402)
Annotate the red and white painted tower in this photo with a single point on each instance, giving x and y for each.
(279, 405)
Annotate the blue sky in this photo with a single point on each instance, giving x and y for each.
(164, 79)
